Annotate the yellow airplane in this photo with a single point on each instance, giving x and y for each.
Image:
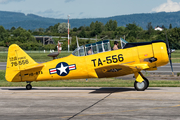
(101, 62)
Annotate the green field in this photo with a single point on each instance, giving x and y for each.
(104, 82)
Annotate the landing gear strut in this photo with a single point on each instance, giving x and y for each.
(29, 86)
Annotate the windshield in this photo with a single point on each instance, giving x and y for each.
(79, 51)
(89, 49)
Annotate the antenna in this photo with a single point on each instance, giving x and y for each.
(77, 45)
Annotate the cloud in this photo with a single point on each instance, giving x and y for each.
(66, 1)
(8, 1)
(170, 6)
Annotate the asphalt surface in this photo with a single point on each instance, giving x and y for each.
(162, 70)
(89, 103)
(2, 65)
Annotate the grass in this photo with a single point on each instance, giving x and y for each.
(175, 60)
(103, 82)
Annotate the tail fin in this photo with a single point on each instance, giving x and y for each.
(17, 61)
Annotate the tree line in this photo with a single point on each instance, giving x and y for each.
(131, 32)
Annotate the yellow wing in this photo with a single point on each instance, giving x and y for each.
(119, 70)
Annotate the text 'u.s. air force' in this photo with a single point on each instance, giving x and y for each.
(15, 61)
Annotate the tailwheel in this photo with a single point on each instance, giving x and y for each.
(140, 86)
(28, 86)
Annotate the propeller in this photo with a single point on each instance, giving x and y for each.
(169, 53)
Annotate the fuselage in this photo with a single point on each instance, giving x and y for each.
(78, 67)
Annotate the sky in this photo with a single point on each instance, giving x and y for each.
(88, 8)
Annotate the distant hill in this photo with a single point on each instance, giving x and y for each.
(31, 21)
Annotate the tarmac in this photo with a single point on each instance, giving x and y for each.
(89, 103)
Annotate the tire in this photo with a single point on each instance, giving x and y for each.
(140, 86)
(147, 81)
(28, 87)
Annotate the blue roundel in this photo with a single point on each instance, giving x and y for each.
(62, 69)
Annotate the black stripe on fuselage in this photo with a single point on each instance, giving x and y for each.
(129, 45)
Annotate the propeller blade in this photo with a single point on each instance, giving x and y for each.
(169, 53)
(168, 48)
(171, 65)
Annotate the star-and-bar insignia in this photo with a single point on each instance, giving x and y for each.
(62, 69)
(52, 71)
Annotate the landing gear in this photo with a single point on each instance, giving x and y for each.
(141, 82)
(29, 86)
(147, 81)
(140, 86)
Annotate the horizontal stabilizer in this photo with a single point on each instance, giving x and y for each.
(33, 67)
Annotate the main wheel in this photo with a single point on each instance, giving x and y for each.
(28, 86)
(147, 81)
(140, 86)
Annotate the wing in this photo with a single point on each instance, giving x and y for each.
(119, 70)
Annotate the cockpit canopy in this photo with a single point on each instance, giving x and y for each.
(94, 48)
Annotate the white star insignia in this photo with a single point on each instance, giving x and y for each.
(62, 69)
